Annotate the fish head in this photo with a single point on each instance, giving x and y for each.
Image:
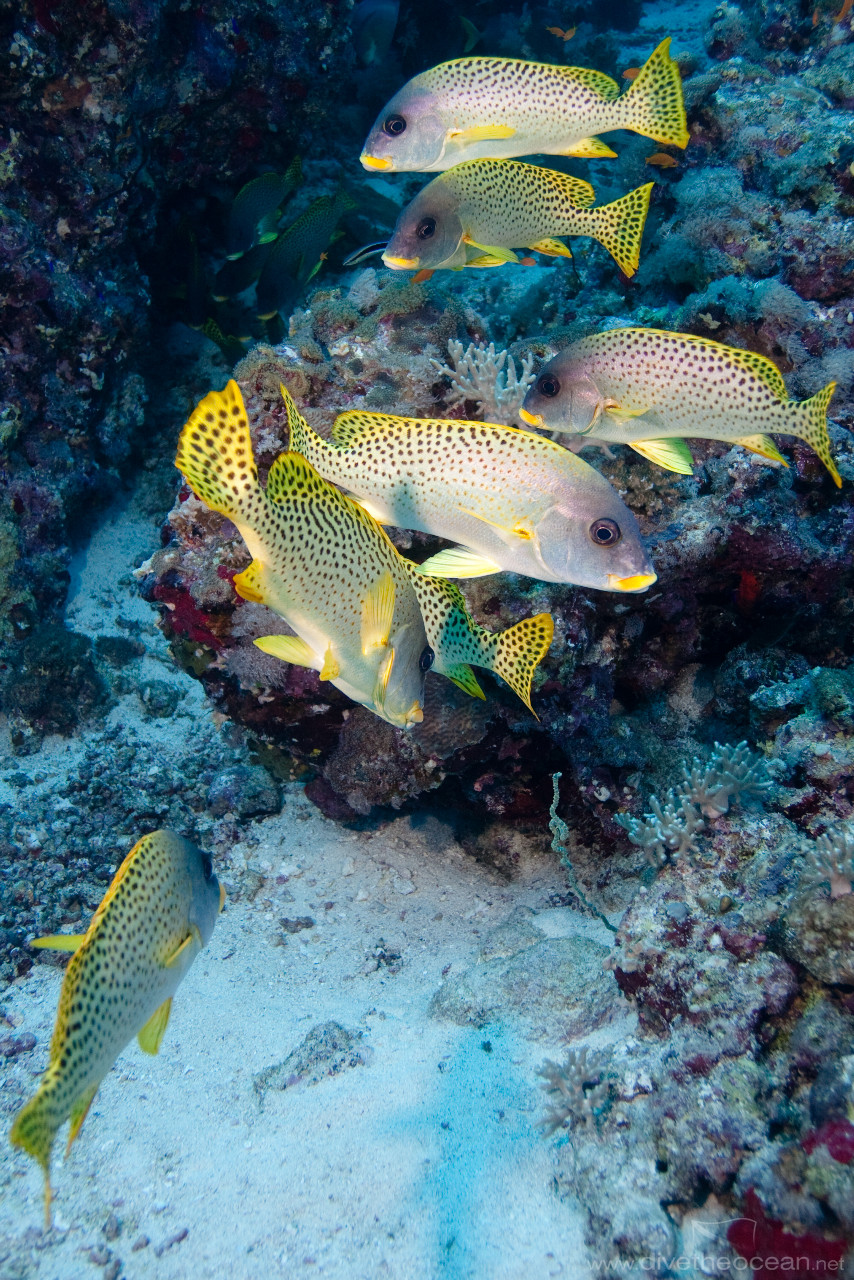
(399, 689)
(564, 397)
(408, 134)
(590, 537)
(206, 895)
(429, 232)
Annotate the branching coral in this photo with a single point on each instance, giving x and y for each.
(483, 374)
(577, 1089)
(671, 828)
(830, 860)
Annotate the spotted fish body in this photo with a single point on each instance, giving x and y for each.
(644, 387)
(298, 253)
(254, 210)
(319, 561)
(156, 916)
(502, 107)
(515, 500)
(477, 213)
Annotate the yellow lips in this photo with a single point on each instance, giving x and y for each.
(639, 582)
(414, 716)
(532, 419)
(374, 162)
(404, 264)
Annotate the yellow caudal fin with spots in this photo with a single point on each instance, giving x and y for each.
(808, 420)
(215, 453)
(654, 106)
(619, 227)
(520, 650)
(35, 1129)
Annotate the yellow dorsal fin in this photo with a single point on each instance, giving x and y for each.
(672, 454)
(79, 1112)
(598, 81)
(289, 649)
(492, 250)
(302, 439)
(330, 669)
(249, 583)
(589, 149)
(481, 133)
(59, 942)
(215, 452)
(764, 446)
(351, 429)
(519, 652)
(464, 678)
(457, 562)
(192, 936)
(151, 1034)
(555, 248)
(377, 614)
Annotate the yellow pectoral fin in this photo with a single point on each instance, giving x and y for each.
(492, 250)
(330, 669)
(79, 1112)
(289, 649)
(555, 248)
(151, 1034)
(764, 446)
(192, 936)
(59, 942)
(673, 455)
(457, 562)
(248, 585)
(377, 614)
(480, 133)
(383, 677)
(619, 413)
(589, 149)
(523, 528)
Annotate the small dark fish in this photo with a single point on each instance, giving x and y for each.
(373, 24)
(197, 288)
(255, 209)
(239, 273)
(298, 253)
(367, 251)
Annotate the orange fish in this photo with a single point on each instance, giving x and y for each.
(421, 276)
(663, 160)
(561, 34)
(528, 262)
(844, 11)
(631, 73)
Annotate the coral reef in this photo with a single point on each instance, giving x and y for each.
(488, 378)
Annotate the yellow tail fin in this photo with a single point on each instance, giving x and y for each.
(653, 106)
(810, 424)
(34, 1131)
(215, 453)
(520, 650)
(619, 227)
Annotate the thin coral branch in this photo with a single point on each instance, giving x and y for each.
(489, 377)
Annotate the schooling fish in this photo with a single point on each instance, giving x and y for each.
(456, 641)
(255, 209)
(503, 107)
(319, 561)
(514, 500)
(297, 254)
(648, 388)
(156, 916)
(476, 214)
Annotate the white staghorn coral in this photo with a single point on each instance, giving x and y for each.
(830, 860)
(488, 376)
(576, 1087)
(671, 828)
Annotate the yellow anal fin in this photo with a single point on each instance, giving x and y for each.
(193, 936)
(481, 133)
(151, 1035)
(79, 1112)
(555, 248)
(59, 942)
(764, 446)
(589, 149)
(673, 455)
(248, 584)
(464, 678)
(330, 669)
(492, 250)
(457, 562)
(289, 649)
(377, 614)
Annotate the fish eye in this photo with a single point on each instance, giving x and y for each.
(426, 228)
(425, 662)
(207, 865)
(549, 386)
(605, 533)
(394, 126)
